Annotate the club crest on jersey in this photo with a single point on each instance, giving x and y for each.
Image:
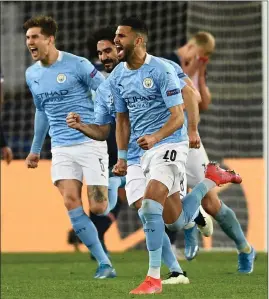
(148, 83)
(61, 78)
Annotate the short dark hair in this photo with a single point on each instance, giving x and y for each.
(107, 33)
(136, 23)
(47, 24)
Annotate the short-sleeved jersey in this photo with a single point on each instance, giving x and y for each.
(104, 113)
(63, 87)
(147, 94)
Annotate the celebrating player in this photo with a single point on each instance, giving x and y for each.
(61, 82)
(148, 103)
(105, 117)
(194, 57)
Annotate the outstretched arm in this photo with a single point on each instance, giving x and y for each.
(93, 131)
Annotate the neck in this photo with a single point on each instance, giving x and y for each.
(137, 59)
(50, 58)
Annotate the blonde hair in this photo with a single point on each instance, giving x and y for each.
(204, 40)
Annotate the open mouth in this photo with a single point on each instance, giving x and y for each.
(119, 50)
(34, 51)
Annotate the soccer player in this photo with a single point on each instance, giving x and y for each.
(194, 57)
(107, 57)
(148, 103)
(105, 117)
(6, 151)
(61, 82)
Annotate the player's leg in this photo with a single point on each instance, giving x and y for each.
(103, 223)
(94, 163)
(135, 188)
(197, 159)
(173, 234)
(228, 222)
(82, 225)
(67, 175)
(225, 216)
(161, 166)
(214, 176)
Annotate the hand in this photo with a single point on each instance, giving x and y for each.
(147, 142)
(194, 139)
(191, 66)
(203, 62)
(32, 160)
(7, 154)
(73, 120)
(120, 169)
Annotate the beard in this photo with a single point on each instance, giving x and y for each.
(112, 63)
(128, 51)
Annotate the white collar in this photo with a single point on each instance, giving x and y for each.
(59, 58)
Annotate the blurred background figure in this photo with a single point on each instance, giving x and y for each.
(6, 151)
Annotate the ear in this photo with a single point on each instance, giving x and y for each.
(51, 39)
(139, 41)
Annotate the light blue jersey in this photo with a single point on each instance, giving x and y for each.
(181, 75)
(105, 111)
(57, 90)
(147, 93)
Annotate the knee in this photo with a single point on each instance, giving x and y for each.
(98, 208)
(211, 203)
(150, 207)
(98, 199)
(71, 201)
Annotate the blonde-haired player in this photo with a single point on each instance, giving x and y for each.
(194, 57)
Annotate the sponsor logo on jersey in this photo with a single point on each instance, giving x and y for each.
(61, 78)
(139, 101)
(148, 83)
(52, 94)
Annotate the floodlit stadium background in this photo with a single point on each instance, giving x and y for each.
(232, 129)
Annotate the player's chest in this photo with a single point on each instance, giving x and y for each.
(52, 83)
(138, 85)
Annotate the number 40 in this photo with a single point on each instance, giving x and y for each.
(173, 155)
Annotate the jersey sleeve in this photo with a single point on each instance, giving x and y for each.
(101, 110)
(180, 73)
(120, 104)
(88, 74)
(41, 125)
(170, 86)
(182, 83)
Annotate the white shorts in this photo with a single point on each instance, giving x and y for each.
(166, 164)
(88, 160)
(194, 168)
(136, 183)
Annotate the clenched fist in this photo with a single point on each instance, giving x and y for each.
(73, 120)
(32, 160)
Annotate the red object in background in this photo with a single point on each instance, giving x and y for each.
(204, 59)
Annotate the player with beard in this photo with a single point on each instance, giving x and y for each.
(148, 102)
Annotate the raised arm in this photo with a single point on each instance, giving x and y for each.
(93, 131)
(191, 99)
